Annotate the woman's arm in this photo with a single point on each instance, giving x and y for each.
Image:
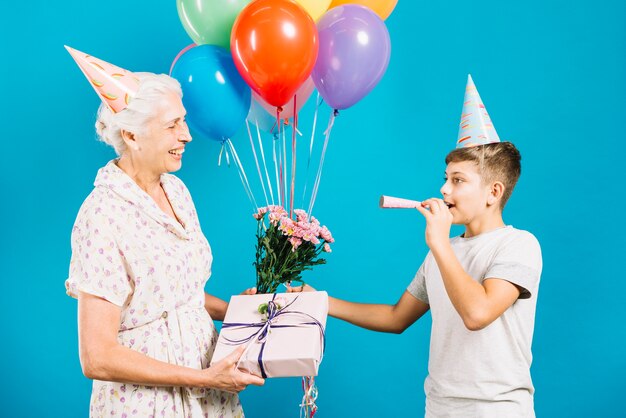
(216, 307)
(103, 358)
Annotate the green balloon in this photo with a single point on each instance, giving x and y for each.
(209, 21)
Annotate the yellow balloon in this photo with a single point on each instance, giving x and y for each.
(382, 8)
(315, 8)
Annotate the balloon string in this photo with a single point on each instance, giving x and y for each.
(242, 175)
(308, 408)
(280, 159)
(316, 185)
(267, 176)
(294, 129)
(224, 151)
(318, 102)
(274, 140)
(256, 160)
(284, 172)
(185, 49)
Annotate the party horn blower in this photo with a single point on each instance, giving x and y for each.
(389, 202)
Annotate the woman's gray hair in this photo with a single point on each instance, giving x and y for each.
(142, 107)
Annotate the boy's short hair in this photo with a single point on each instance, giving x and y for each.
(499, 161)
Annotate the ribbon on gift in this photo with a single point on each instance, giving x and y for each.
(274, 312)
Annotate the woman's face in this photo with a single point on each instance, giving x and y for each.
(159, 149)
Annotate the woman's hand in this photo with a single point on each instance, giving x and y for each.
(224, 375)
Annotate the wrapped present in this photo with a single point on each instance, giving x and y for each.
(283, 333)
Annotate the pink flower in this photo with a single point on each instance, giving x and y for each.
(327, 249)
(274, 218)
(301, 215)
(260, 213)
(310, 228)
(326, 235)
(279, 210)
(287, 226)
(295, 243)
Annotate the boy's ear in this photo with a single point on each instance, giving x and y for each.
(496, 193)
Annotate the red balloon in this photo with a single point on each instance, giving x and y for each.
(274, 44)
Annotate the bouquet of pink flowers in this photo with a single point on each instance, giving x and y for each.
(286, 247)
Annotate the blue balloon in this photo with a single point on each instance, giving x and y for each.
(217, 99)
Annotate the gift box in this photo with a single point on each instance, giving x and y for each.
(283, 333)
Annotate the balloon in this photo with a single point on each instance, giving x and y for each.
(180, 54)
(274, 44)
(315, 8)
(259, 116)
(382, 8)
(209, 21)
(354, 54)
(302, 95)
(215, 96)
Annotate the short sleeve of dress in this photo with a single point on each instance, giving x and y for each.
(97, 266)
(518, 261)
(417, 287)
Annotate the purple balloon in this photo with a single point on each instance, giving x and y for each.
(354, 49)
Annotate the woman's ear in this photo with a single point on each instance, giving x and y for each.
(129, 139)
(496, 193)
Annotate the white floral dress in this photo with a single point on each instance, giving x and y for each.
(126, 250)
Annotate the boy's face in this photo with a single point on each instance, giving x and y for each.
(464, 192)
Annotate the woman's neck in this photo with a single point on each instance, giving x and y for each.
(146, 180)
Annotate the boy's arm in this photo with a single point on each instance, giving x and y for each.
(378, 317)
(477, 304)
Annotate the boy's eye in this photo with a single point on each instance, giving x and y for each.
(457, 180)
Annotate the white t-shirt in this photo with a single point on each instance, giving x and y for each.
(482, 373)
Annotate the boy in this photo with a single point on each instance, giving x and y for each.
(481, 287)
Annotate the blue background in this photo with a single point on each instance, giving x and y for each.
(552, 75)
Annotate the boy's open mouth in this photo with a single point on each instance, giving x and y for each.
(449, 205)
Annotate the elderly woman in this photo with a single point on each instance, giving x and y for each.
(138, 269)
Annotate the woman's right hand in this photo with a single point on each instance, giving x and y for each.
(224, 375)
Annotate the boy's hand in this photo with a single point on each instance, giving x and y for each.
(250, 291)
(438, 221)
(302, 288)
